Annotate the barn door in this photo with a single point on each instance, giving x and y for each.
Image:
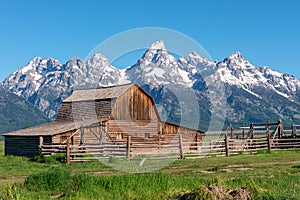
(91, 135)
(95, 135)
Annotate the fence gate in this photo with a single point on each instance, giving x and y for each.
(95, 142)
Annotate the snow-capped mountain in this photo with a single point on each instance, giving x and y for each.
(45, 82)
(258, 93)
(251, 93)
(157, 67)
(235, 70)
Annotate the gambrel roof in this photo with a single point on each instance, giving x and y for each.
(98, 93)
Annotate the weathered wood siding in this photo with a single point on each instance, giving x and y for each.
(85, 110)
(92, 135)
(24, 146)
(188, 135)
(138, 129)
(61, 138)
(134, 104)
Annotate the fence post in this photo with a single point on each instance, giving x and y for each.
(226, 146)
(280, 129)
(243, 131)
(128, 147)
(269, 139)
(294, 131)
(100, 133)
(68, 156)
(41, 145)
(251, 131)
(181, 147)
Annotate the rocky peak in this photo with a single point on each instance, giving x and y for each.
(158, 45)
(236, 56)
(157, 54)
(157, 67)
(99, 62)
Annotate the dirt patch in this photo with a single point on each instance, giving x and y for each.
(56, 196)
(206, 172)
(215, 192)
(235, 166)
(101, 173)
(227, 170)
(243, 169)
(13, 180)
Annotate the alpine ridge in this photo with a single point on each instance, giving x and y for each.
(252, 93)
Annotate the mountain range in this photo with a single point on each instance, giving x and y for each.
(233, 89)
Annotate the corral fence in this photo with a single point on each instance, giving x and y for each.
(228, 143)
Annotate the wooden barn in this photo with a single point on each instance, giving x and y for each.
(94, 116)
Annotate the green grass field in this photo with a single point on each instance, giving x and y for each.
(274, 175)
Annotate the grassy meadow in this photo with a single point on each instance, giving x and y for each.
(274, 175)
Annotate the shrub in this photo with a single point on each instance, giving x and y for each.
(296, 166)
(215, 169)
(55, 179)
(55, 159)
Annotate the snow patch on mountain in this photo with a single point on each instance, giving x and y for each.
(157, 67)
(235, 70)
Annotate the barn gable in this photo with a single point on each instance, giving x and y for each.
(125, 102)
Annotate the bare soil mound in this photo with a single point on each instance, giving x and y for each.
(215, 192)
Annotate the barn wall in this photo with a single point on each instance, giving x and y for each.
(60, 138)
(134, 104)
(138, 130)
(91, 135)
(188, 135)
(86, 135)
(23, 146)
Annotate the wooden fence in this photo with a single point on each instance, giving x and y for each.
(176, 149)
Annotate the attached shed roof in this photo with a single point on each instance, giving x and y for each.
(98, 93)
(49, 129)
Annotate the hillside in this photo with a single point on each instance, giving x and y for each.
(16, 113)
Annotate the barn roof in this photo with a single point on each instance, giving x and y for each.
(85, 110)
(89, 104)
(98, 93)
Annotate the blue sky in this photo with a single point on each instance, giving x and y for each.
(266, 32)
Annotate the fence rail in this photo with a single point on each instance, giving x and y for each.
(159, 150)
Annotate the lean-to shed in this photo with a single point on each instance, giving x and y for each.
(93, 116)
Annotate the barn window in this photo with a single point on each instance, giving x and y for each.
(119, 136)
(147, 135)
